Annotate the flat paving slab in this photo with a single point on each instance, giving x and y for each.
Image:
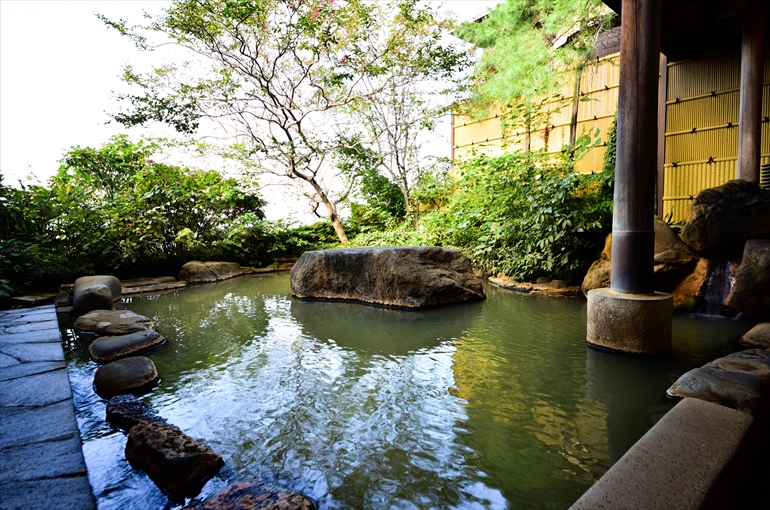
(41, 456)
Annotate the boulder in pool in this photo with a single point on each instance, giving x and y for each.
(112, 322)
(176, 462)
(95, 293)
(252, 496)
(110, 348)
(751, 292)
(124, 376)
(740, 381)
(202, 272)
(758, 337)
(401, 276)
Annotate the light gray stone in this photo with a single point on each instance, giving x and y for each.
(36, 390)
(36, 424)
(47, 459)
(71, 493)
(693, 458)
(31, 352)
(199, 272)
(32, 337)
(25, 369)
(112, 322)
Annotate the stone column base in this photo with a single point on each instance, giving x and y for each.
(631, 323)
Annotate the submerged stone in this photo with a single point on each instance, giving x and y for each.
(125, 411)
(252, 496)
(127, 375)
(113, 322)
(172, 459)
(110, 348)
(403, 276)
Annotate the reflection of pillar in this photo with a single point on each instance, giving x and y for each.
(629, 388)
(631, 316)
(752, 72)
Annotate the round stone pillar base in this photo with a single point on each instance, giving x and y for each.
(631, 323)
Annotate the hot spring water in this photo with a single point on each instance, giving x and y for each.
(496, 404)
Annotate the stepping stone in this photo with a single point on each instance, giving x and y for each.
(172, 459)
(95, 293)
(252, 496)
(113, 322)
(127, 375)
(110, 348)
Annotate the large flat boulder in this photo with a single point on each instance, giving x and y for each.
(403, 276)
(720, 219)
(112, 322)
(751, 292)
(176, 462)
(110, 348)
(95, 293)
(202, 272)
(124, 376)
(758, 337)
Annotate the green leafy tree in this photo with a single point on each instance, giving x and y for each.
(275, 75)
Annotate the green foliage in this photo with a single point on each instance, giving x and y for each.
(608, 165)
(525, 214)
(528, 44)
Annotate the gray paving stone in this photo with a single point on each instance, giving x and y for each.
(60, 493)
(27, 353)
(36, 390)
(10, 411)
(25, 369)
(38, 424)
(30, 326)
(48, 459)
(7, 361)
(31, 337)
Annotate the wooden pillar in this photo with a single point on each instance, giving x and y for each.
(662, 98)
(633, 235)
(752, 71)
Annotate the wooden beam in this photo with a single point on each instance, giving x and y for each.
(752, 72)
(633, 235)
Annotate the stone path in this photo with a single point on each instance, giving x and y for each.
(41, 458)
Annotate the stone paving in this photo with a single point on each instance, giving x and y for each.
(41, 457)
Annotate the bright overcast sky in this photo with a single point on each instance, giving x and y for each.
(58, 67)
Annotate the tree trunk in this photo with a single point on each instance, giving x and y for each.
(335, 220)
(575, 103)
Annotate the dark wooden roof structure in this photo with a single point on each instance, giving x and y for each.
(691, 28)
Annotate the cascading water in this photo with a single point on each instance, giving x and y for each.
(718, 286)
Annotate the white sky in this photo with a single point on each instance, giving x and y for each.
(58, 67)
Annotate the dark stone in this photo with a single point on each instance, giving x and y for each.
(758, 337)
(404, 276)
(720, 219)
(672, 260)
(751, 292)
(127, 375)
(112, 322)
(95, 293)
(252, 496)
(200, 272)
(740, 381)
(111, 348)
(62, 299)
(125, 411)
(173, 460)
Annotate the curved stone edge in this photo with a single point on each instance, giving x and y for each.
(694, 457)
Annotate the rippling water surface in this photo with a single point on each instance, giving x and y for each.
(497, 404)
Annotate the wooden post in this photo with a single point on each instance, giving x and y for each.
(752, 71)
(662, 98)
(633, 235)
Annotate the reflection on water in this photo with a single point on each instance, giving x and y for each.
(497, 404)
